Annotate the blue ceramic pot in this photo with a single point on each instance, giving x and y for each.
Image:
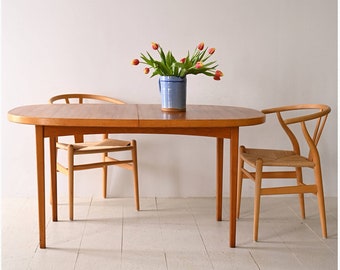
(173, 92)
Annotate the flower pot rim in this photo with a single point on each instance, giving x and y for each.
(173, 78)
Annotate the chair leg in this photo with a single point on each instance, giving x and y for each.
(104, 182)
(239, 186)
(135, 173)
(299, 181)
(104, 177)
(257, 198)
(321, 200)
(105, 155)
(70, 181)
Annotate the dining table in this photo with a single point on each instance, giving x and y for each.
(220, 122)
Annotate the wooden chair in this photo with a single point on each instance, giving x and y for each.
(311, 119)
(80, 147)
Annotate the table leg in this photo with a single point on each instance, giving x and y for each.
(234, 137)
(53, 159)
(39, 137)
(219, 177)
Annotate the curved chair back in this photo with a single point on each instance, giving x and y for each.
(312, 132)
(83, 98)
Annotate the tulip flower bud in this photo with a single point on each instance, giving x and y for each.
(135, 62)
(200, 46)
(217, 78)
(154, 46)
(211, 50)
(183, 60)
(199, 65)
(146, 70)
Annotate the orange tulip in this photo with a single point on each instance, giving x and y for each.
(154, 45)
(219, 73)
(200, 46)
(146, 70)
(211, 50)
(135, 62)
(199, 65)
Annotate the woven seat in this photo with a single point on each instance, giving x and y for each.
(105, 144)
(280, 158)
(260, 160)
(81, 147)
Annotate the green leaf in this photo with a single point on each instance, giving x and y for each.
(162, 55)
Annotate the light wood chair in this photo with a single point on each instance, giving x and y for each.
(311, 119)
(80, 147)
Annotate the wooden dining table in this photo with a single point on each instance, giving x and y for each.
(220, 122)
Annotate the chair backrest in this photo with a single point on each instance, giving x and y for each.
(303, 113)
(81, 99)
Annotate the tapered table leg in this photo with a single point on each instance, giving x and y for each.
(39, 136)
(234, 140)
(219, 177)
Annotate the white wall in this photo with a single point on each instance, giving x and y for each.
(272, 52)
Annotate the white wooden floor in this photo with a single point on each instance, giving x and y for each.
(168, 234)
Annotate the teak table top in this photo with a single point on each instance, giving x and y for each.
(133, 115)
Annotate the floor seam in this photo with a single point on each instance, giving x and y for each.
(161, 229)
(202, 239)
(83, 233)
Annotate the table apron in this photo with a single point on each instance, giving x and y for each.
(218, 132)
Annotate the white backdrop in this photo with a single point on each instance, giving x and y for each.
(272, 52)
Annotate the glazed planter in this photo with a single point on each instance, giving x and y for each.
(173, 91)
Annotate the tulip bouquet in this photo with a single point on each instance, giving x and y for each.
(195, 63)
